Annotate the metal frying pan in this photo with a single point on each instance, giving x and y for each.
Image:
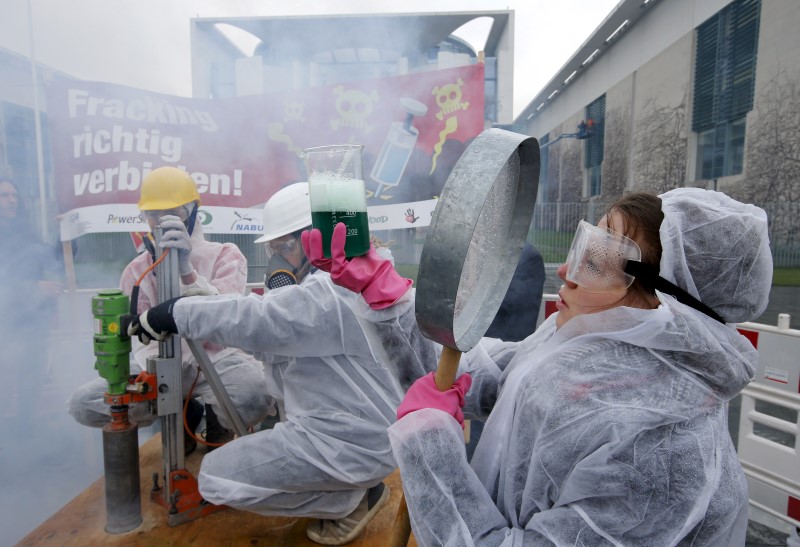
(472, 248)
(474, 241)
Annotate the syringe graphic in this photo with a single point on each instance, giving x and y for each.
(397, 148)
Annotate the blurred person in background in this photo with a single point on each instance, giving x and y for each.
(516, 318)
(30, 274)
(169, 198)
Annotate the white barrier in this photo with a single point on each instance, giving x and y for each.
(772, 468)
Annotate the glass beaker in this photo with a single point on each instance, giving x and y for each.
(337, 193)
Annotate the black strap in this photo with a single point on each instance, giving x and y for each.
(649, 277)
(147, 241)
(191, 219)
(134, 309)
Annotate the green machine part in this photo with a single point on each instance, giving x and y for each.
(112, 348)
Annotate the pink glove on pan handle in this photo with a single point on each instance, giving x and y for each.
(424, 394)
(369, 274)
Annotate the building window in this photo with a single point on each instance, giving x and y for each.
(724, 80)
(721, 150)
(594, 181)
(593, 144)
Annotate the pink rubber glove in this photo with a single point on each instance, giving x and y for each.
(312, 246)
(369, 274)
(424, 394)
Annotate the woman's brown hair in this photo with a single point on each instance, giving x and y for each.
(642, 217)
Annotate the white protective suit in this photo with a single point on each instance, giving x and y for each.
(611, 430)
(221, 269)
(340, 370)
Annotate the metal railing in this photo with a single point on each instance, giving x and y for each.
(100, 258)
(768, 440)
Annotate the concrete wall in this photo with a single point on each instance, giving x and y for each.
(667, 23)
(619, 149)
(256, 75)
(772, 138)
(647, 78)
(661, 112)
(210, 49)
(505, 74)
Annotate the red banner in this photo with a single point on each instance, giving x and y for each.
(240, 151)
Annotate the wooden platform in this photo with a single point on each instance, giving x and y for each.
(81, 521)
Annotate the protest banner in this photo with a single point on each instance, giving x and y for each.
(105, 138)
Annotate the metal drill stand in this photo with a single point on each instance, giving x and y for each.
(179, 493)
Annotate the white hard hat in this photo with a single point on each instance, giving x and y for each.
(287, 211)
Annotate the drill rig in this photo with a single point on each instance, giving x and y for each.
(160, 388)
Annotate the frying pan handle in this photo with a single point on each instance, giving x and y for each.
(448, 367)
(444, 378)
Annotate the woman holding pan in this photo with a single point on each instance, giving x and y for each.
(608, 425)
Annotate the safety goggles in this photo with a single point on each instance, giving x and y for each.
(597, 259)
(286, 248)
(154, 216)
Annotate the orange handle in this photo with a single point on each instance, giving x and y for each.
(445, 376)
(447, 369)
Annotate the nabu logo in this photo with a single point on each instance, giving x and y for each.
(245, 223)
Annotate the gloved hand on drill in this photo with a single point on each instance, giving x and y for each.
(177, 237)
(155, 324)
(372, 276)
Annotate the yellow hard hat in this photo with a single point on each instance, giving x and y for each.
(167, 188)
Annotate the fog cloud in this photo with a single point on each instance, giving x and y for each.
(45, 457)
(146, 44)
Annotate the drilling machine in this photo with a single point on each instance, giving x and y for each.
(112, 348)
(160, 387)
